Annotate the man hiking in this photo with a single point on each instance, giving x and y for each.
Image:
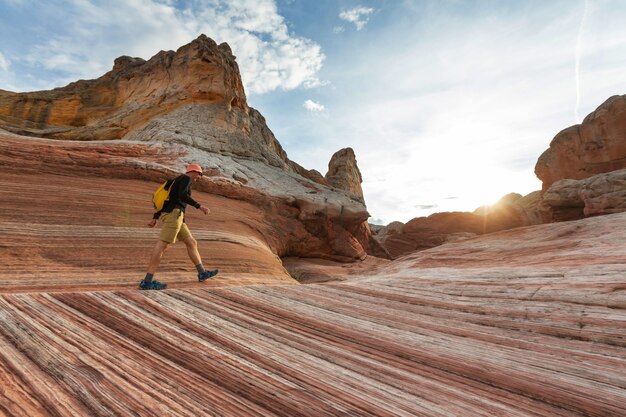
(174, 228)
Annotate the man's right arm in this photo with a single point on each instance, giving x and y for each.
(184, 192)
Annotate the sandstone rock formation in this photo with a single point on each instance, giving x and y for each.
(129, 95)
(529, 207)
(74, 215)
(343, 173)
(596, 146)
(63, 184)
(583, 171)
(421, 233)
(382, 232)
(193, 96)
(526, 322)
(189, 106)
(575, 199)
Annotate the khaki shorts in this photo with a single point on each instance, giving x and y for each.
(173, 227)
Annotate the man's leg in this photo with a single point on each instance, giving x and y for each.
(192, 250)
(155, 257)
(171, 225)
(194, 255)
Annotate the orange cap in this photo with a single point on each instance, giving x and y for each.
(194, 167)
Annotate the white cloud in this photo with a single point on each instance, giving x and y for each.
(358, 15)
(339, 29)
(92, 34)
(314, 107)
(4, 63)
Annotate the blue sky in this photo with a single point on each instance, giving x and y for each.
(447, 103)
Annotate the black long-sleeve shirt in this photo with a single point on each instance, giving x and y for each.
(180, 196)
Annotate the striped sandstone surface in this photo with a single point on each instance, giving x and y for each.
(78, 213)
(526, 322)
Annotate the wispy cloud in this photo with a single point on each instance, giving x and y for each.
(339, 29)
(314, 107)
(359, 16)
(4, 63)
(85, 38)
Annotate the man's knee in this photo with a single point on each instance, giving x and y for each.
(162, 246)
(191, 242)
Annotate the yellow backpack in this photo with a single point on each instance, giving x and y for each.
(161, 195)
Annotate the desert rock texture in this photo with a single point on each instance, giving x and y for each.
(583, 170)
(595, 146)
(343, 173)
(525, 322)
(133, 92)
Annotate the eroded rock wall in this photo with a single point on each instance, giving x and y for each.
(574, 199)
(129, 95)
(182, 107)
(595, 146)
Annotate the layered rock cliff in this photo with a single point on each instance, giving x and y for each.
(583, 170)
(600, 194)
(129, 95)
(595, 146)
(176, 108)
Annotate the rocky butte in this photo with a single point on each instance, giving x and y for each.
(504, 311)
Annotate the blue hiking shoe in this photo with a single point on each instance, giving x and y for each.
(203, 276)
(152, 285)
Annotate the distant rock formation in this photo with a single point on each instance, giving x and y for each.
(575, 199)
(343, 173)
(191, 105)
(514, 208)
(596, 146)
(421, 233)
(583, 170)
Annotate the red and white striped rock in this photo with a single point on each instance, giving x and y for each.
(526, 322)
